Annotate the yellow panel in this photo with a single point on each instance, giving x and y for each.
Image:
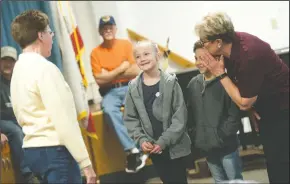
(88, 144)
(107, 151)
(7, 173)
(110, 156)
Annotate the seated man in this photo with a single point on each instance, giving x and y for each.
(10, 129)
(113, 66)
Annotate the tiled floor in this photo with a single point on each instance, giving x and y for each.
(259, 175)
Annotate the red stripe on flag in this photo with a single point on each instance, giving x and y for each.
(91, 127)
(74, 41)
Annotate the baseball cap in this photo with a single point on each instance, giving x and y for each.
(108, 19)
(8, 51)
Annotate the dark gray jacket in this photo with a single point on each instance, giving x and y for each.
(213, 117)
(169, 107)
(6, 110)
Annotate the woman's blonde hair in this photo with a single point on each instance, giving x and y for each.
(214, 26)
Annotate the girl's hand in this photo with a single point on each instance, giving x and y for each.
(147, 146)
(157, 149)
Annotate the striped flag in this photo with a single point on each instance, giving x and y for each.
(72, 49)
(76, 39)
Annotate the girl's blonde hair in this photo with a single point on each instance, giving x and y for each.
(147, 43)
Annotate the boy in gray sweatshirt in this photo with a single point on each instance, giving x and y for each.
(214, 120)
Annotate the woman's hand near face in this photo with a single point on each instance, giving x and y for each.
(215, 66)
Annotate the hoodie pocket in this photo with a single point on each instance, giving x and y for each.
(199, 136)
(212, 139)
(220, 141)
(182, 147)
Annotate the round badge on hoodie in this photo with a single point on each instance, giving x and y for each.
(157, 94)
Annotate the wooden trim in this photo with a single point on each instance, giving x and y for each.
(172, 56)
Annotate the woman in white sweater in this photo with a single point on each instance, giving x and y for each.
(43, 105)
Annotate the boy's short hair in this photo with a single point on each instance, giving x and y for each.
(25, 27)
(197, 45)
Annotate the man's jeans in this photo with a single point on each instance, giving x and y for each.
(15, 139)
(111, 105)
(53, 164)
(228, 167)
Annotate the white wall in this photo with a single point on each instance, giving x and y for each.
(157, 20)
(101, 8)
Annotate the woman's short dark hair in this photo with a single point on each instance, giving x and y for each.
(25, 27)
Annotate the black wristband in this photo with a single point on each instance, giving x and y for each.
(222, 76)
